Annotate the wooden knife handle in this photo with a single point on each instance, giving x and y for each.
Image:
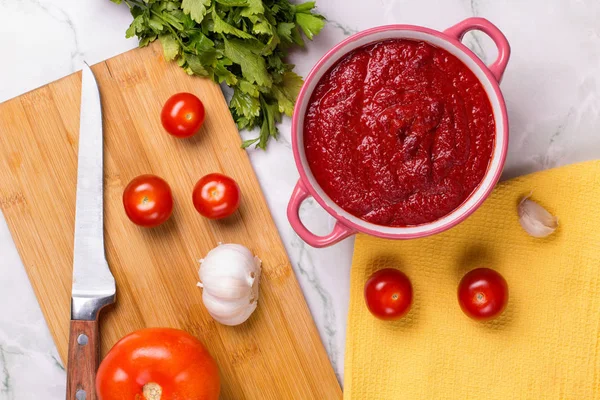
(82, 361)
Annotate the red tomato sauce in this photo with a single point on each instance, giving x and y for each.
(399, 133)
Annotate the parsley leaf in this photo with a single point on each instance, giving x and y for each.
(194, 65)
(255, 7)
(223, 74)
(196, 8)
(136, 26)
(242, 43)
(284, 30)
(305, 7)
(268, 129)
(221, 26)
(170, 46)
(287, 92)
(233, 3)
(311, 24)
(244, 104)
(253, 65)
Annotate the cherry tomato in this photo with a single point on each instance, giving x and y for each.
(388, 294)
(483, 294)
(148, 201)
(216, 196)
(182, 115)
(161, 359)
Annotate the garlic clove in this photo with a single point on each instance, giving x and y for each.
(535, 219)
(237, 319)
(218, 307)
(256, 277)
(227, 287)
(230, 276)
(231, 313)
(229, 260)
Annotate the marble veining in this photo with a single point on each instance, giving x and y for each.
(347, 31)
(61, 16)
(551, 88)
(306, 268)
(473, 41)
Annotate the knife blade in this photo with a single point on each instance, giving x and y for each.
(93, 284)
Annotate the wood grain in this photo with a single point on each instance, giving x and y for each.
(277, 354)
(82, 360)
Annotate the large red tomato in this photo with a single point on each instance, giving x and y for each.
(483, 294)
(182, 115)
(158, 363)
(148, 200)
(388, 294)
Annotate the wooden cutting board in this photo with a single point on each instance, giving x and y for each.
(277, 354)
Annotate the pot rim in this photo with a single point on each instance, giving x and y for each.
(495, 166)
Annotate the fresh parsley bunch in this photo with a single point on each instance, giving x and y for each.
(240, 42)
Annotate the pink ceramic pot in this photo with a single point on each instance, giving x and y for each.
(449, 40)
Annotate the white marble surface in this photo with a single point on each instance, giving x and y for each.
(552, 88)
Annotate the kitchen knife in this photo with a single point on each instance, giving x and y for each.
(93, 284)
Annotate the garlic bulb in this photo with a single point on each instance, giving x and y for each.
(229, 276)
(535, 219)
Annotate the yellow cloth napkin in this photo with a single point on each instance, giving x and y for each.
(547, 343)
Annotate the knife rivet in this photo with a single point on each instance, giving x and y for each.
(82, 340)
(80, 395)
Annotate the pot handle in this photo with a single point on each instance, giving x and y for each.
(458, 31)
(339, 232)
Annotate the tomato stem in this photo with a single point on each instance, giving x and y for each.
(152, 391)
